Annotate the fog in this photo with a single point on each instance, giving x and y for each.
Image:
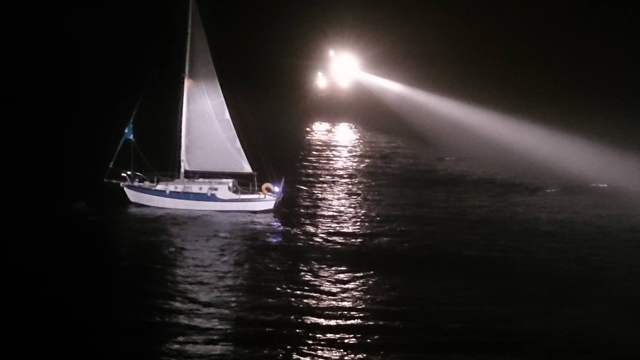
(506, 143)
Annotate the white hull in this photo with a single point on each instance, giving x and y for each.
(186, 200)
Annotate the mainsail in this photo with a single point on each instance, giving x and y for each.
(209, 140)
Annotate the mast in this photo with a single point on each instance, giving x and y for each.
(184, 95)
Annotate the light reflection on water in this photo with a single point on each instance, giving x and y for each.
(207, 278)
(379, 250)
(332, 169)
(333, 295)
(216, 267)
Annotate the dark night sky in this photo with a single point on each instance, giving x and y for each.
(570, 64)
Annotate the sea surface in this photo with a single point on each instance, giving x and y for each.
(378, 251)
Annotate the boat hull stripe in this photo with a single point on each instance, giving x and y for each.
(188, 195)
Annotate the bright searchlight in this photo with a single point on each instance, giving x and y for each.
(344, 69)
(321, 82)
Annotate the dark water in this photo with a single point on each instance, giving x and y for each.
(379, 252)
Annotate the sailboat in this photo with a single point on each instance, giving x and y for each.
(208, 144)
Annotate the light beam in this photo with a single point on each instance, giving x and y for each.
(513, 141)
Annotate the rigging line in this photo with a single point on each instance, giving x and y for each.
(254, 134)
(161, 176)
(265, 160)
(124, 137)
(143, 158)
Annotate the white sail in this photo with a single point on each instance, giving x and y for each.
(209, 140)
